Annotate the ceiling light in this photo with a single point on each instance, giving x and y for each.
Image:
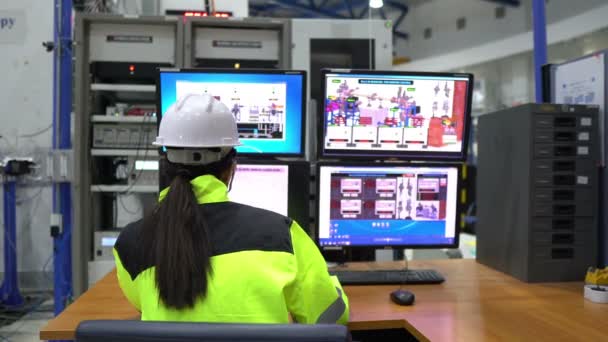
(376, 3)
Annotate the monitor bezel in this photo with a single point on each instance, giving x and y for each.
(459, 187)
(395, 155)
(298, 192)
(243, 71)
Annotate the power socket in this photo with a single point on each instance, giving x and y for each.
(56, 225)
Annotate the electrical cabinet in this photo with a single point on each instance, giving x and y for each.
(115, 117)
(537, 191)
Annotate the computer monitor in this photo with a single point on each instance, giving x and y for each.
(405, 115)
(268, 105)
(408, 206)
(279, 186)
(265, 186)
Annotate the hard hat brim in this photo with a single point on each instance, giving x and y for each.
(195, 146)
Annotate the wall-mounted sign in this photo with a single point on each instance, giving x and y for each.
(12, 27)
(237, 44)
(129, 39)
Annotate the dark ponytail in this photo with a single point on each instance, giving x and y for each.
(176, 236)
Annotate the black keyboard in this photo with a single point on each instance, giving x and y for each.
(388, 277)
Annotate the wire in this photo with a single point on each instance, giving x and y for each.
(44, 268)
(27, 199)
(37, 133)
(115, 209)
(9, 143)
(139, 143)
(13, 246)
(68, 298)
(22, 321)
(106, 7)
(29, 218)
(13, 243)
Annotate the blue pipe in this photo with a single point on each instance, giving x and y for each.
(56, 270)
(55, 100)
(540, 45)
(62, 245)
(66, 76)
(9, 292)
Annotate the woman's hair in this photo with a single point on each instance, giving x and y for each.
(176, 236)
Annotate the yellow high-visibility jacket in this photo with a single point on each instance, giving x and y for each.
(265, 267)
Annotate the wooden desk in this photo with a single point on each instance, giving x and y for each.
(474, 304)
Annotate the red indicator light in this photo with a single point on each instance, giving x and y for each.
(205, 14)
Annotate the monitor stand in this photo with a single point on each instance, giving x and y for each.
(415, 276)
(342, 256)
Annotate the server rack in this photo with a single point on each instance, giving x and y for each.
(536, 191)
(252, 43)
(115, 58)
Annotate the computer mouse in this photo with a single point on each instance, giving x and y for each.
(402, 297)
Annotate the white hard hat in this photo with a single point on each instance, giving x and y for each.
(195, 124)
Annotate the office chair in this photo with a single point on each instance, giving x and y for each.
(142, 331)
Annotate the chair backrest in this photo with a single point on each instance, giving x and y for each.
(141, 331)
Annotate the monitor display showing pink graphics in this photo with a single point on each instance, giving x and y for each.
(387, 205)
(261, 186)
(396, 114)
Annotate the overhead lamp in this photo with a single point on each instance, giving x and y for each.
(376, 3)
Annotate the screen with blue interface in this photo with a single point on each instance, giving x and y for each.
(380, 205)
(268, 107)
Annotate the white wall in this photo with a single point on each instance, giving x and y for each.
(26, 107)
(482, 26)
(509, 81)
(441, 16)
(566, 28)
(239, 8)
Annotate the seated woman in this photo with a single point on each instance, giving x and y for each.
(199, 257)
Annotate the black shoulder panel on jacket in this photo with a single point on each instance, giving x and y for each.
(235, 227)
(129, 249)
(232, 228)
